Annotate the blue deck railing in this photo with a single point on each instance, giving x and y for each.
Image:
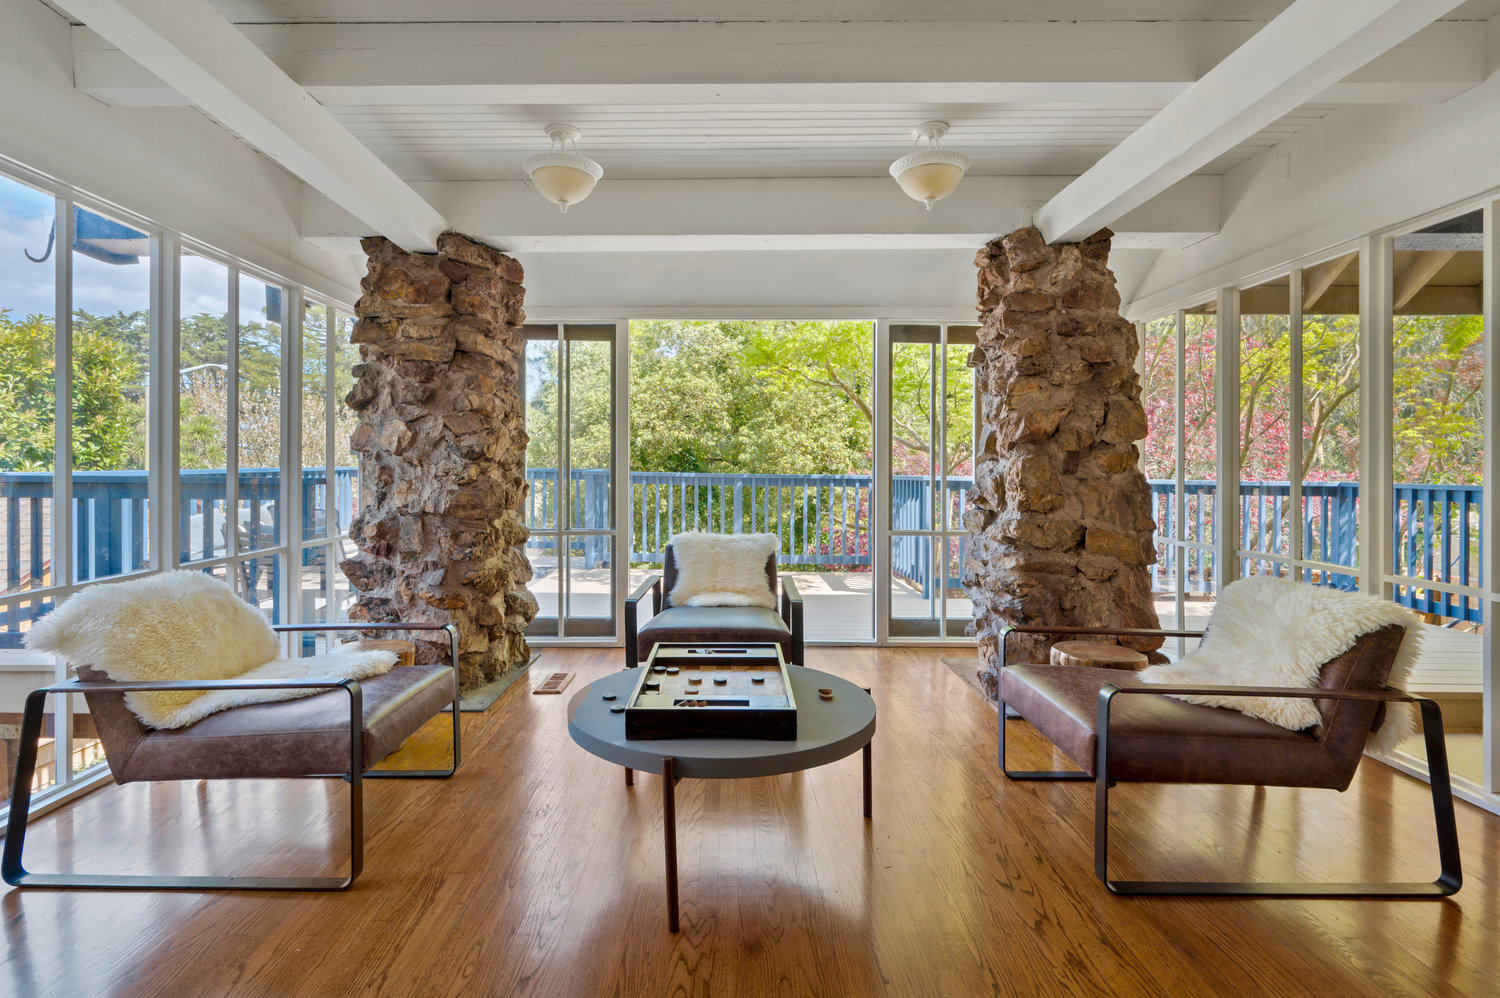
(1436, 536)
(110, 510)
(821, 520)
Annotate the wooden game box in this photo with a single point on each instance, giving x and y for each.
(713, 691)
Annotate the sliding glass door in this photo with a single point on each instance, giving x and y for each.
(570, 466)
(932, 431)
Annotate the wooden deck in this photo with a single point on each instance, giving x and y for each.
(536, 871)
(839, 607)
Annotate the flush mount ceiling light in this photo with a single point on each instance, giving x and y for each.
(560, 176)
(931, 174)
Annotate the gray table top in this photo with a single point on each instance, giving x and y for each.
(827, 730)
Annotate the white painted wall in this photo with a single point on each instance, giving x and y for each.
(172, 165)
(1360, 170)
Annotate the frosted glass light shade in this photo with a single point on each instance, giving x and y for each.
(563, 178)
(930, 175)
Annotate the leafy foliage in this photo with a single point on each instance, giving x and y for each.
(1437, 380)
(752, 398)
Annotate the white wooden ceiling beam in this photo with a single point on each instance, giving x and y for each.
(1293, 59)
(845, 213)
(206, 59)
(1129, 63)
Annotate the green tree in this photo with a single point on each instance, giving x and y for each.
(108, 401)
(26, 393)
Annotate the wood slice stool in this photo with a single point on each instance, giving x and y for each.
(1099, 654)
(406, 651)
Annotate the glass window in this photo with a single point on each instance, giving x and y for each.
(1330, 419)
(203, 403)
(1265, 520)
(1159, 455)
(1199, 456)
(1437, 468)
(27, 417)
(345, 420)
(111, 367)
(258, 357)
(316, 413)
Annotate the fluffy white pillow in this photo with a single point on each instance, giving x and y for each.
(722, 569)
(181, 625)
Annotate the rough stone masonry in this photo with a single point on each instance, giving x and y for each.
(442, 445)
(1059, 520)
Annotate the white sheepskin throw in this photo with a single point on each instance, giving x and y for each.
(1268, 631)
(183, 625)
(722, 569)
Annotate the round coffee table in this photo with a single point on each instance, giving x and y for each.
(827, 730)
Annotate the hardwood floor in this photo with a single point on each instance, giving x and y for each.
(536, 871)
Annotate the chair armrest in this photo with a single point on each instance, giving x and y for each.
(791, 615)
(388, 625)
(364, 625)
(126, 686)
(1132, 632)
(651, 585)
(789, 595)
(1388, 695)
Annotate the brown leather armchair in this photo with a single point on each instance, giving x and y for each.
(705, 624)
(1148, 737)
(337, 734)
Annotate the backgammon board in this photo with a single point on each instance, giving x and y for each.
(706, 691)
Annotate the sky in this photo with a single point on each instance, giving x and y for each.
(26, 288)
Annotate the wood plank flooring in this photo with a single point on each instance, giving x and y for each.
(536, 871)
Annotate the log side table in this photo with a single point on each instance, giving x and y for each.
(1099, 654)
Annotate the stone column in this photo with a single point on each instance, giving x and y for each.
(1059, 520)
(442, 445)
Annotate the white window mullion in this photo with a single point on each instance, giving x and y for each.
(940, 481)
(624, 531)
(1376, 261)
(1179, 461)
(1227, 396)
(1294, 421)
(162, 404)
(232, 437)
(1490, 555)
(880, 502)
(289, 592)
(62, 464)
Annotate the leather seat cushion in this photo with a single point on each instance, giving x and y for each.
(293, 737)
(1154, 738)
(702, 624)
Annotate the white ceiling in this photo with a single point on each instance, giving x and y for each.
(435, 109)
(288, 11)
(488, 142)
(809, 99)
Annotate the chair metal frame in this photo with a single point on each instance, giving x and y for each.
(1450, 876)
(12, 867)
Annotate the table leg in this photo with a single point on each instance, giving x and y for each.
(629, 777)
(866, 762)
(867, 778)
(669, 834)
